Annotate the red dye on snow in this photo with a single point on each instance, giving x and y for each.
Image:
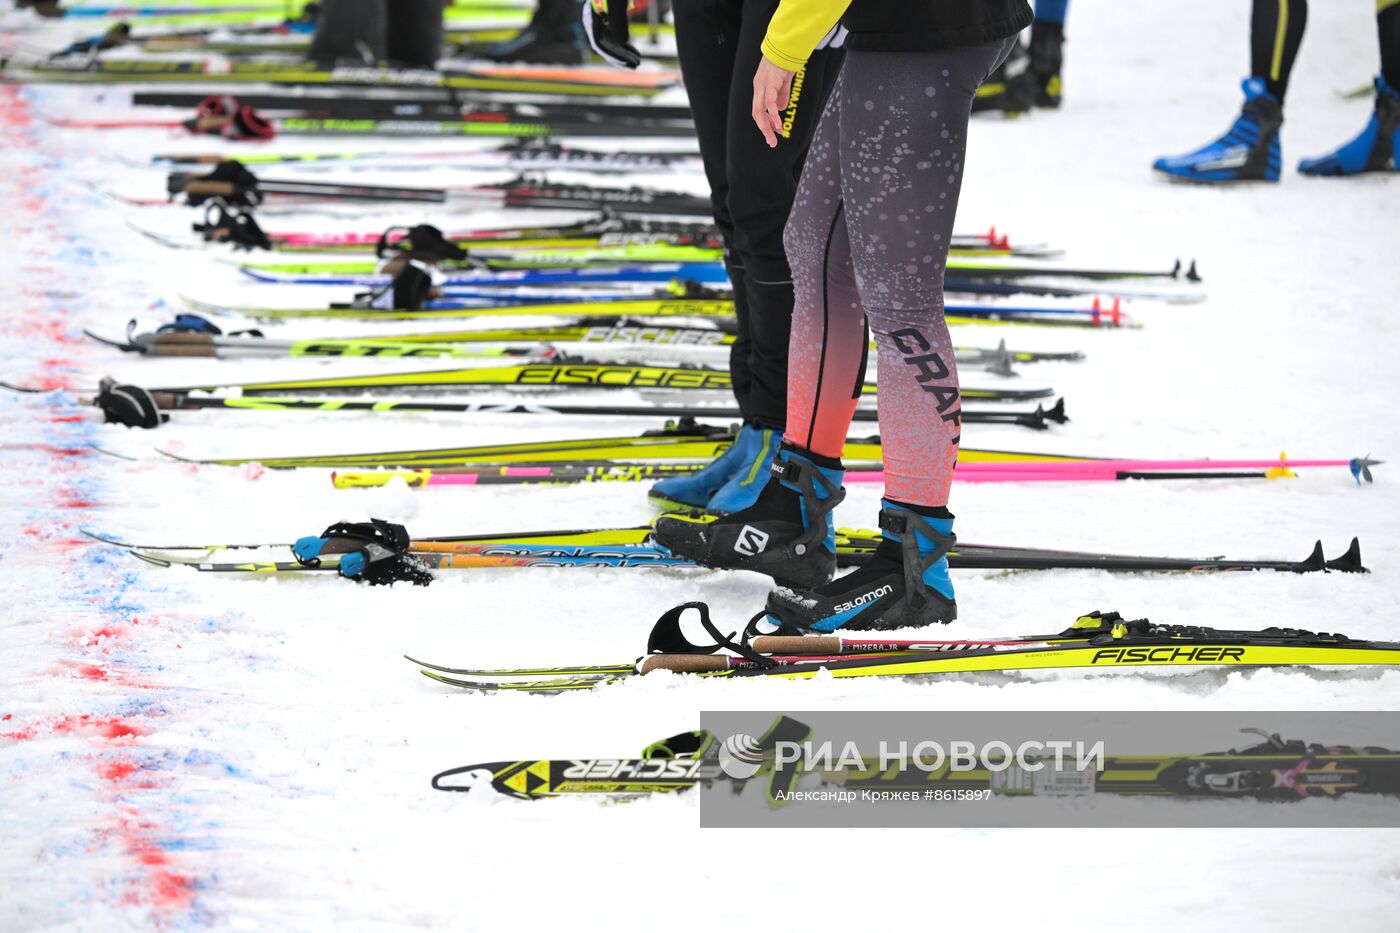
(77, 504)
(117, 770)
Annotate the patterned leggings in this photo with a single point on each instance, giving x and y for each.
(868, 241)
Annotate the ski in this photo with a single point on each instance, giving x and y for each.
(622, 340)
(571, 375)
(631, 548)
(366, 271)
(426, 102)
(1098, 641)
(468, 305)
(595, 82)
(1273, 769)
(605, 230)
(684, 439)
(515, 306)
(1038, 419)
(232, 181)
(578, 473)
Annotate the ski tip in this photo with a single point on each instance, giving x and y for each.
(474, 776)
(28, 390)
(1361, 468)
(1350, 562)
(101, 538)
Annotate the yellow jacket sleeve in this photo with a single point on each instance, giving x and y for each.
(797, 27)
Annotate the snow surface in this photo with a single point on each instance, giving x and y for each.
(181, 751)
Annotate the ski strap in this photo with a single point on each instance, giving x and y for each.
(668, 638)
(375, 552)
(237, 226)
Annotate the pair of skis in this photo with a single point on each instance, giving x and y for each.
(619, 548)
(1097, 641)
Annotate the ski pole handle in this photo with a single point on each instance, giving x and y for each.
(223, 189)
(796, 644)
(685, 663)
(181, 349)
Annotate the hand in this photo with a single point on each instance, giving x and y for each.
(772, 89)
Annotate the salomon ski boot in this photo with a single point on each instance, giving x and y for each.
(1250, 151)
(1047, 58)
(1010, 88)
(1372, 151)
(788, 533)
(744, 463)
(905, 584)
(554, 36)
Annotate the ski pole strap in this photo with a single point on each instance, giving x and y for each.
(699, 743)
(667, 637)
(130, 405)
(229, 180)
(247, 123)
(383, 246)
(185, 324)
(425, 241)
(374, 552)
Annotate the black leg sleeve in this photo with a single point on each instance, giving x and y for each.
(762, 185)
(1276, 32)
(1388, 28)
(707, 33)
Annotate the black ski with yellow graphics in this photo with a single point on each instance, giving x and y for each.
(1274, 769)
(1098, 641)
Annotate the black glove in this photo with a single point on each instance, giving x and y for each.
(608, 33)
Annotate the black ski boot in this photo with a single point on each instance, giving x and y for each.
(1047, 58)
(1010, 89)
(905, 584)
(788, 533)
(553, 37)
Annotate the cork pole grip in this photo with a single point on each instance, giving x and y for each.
(685, 663)
(182, 349)
(222, 188)
(796, 644)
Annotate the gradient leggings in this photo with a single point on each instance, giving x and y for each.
(868, 241)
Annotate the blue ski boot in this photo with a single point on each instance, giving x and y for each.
(754, 464)
(1374, 150)
(1250, 151)
(788, 533)
(905, 584)
(751, 452)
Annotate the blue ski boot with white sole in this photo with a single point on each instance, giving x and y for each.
(1250, 151)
